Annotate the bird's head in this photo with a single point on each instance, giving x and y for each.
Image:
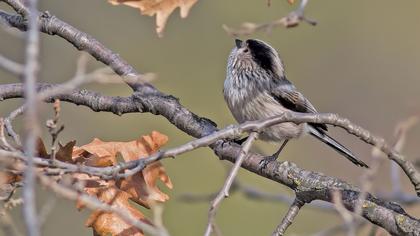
(255, 55)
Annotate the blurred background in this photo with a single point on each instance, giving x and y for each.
(361, 61)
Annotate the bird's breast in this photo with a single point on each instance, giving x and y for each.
(250, 103)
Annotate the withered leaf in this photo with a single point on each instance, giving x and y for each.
(41, 151)
(106, 223)
(161, 8)
(140, 188)
(65, 152)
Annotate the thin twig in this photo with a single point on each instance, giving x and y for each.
(31, 118)
(224, 192)
(289, 217)
(157, 209)
(11, 66)
(22, 9)
(5, 144)
(344, 213)
(401, 131)
(290, 20)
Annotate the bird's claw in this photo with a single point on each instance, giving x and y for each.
(264, 162)
(238, 141)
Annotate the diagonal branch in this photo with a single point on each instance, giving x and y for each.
(224, 192)
(289, 217)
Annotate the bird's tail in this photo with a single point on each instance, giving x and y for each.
(336, 145)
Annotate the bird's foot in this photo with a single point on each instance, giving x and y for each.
(264, 162)
(239, 141)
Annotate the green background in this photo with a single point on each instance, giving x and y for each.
(361, 61)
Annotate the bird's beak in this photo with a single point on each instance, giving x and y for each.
(238, 43)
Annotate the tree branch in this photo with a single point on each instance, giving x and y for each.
(32, 130)
(316, 186)
(11, 66)
(224, 192)
(292, 19)
(289, 217)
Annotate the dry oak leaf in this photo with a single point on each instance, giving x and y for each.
(140, 188)
(161, 8)
(107, 223)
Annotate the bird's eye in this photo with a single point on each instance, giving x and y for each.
(246, 50)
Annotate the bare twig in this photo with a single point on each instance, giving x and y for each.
(289, 217)
(47, 209)
(291, 20)
(21, 8)
(400, 136)
(9, 128)
(31, 116)
(53, 128)
(157, 209)
(11, 66)
(344, 213)
(224, 192)
(4, 143)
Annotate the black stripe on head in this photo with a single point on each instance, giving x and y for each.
(262, 54)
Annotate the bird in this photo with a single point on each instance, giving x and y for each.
(256, 88)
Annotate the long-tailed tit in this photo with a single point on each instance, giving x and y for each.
(256, 88)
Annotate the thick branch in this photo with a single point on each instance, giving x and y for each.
(316, 186)
(93, 100)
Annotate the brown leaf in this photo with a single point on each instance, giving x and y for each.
(41, 151)
(7, 180)
(141, 187)
(161, 8)
(106, 223)
(65, 152)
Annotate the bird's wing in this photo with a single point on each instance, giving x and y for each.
(287, 95)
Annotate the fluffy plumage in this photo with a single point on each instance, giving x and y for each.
(256, 88)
